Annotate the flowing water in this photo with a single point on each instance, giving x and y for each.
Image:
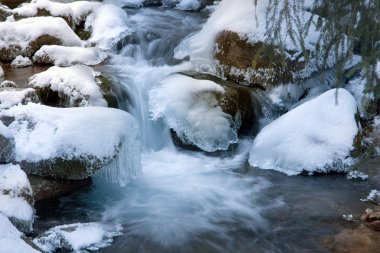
(188, 201)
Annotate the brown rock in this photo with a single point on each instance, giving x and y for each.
(258, 64)
(13, 3)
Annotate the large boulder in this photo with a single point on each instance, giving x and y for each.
(202, 112)
(255, 64)
(74, 143)
(315, 137)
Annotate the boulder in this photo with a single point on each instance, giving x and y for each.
(255, 64)
(5, 12)
(13, 3)
(47, 188)
(13, 96)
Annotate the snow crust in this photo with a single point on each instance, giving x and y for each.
(24, 31)
(108, 25)
(190, 108)
(78, 237)
(316, 136)
(43, 133)
(9, 98)
(246, 19)
(10, 238)
(21, 62)
(77, 82)
(68, 56)
(14, 186)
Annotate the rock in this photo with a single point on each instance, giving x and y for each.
(238, 101)
(371, 219)
(7, 144)
(5, 12)
(16, 197)
(13, 3)
(21, 62)
(8, 84)
(257, 65)
(13, 96)
(46, 188)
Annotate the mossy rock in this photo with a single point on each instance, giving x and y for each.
(107, 89)
(256, 65)
(13, 3)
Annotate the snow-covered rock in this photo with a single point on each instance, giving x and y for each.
(357, 175)
(45, 8)
(190, 107)
(11, 239)
(16, 196)
(68, 56)
(7, 84)
(240, 29)
(373, 196)
(81, 10)
(78, 237)
(7, 144)
(21, 62)
(12, 97)
(75, 86)
(5, 12)
(73, 143)
(1, 72)
(26, 36)
(316, 136)
(108, 25)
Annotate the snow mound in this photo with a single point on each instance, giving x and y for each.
(316, 136)
(23, 32)
(77, 83)
(96, 133)
(9, 98)
(190, 108)
(108, 25)
(8, 84)
(21, 62)
(245, 19)
(78, 237)
(68, 56)
(10, 239)
(81, 9)
(15, 190)
(54, 8)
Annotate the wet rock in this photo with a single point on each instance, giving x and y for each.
(258, 64)
(371, 219)
(47, 188)
(13, 3)
(238, 101)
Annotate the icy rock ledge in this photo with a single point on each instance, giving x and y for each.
(78, 237)
(316, 136)
(73, 143)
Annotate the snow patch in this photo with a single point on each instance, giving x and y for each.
(78, 237)
(373, 196)
(357, 175)
(190, 108)
(78, 83)
(316, 136)
(21, 62)
(68, 56)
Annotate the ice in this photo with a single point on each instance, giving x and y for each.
(78, 237)
(43, 133)
(14, 190)
(316, 136)
(68, 56)
(10, 239)
(108, 25)
(78, 83)
(188, 5)
(21, 62)
(190, 108)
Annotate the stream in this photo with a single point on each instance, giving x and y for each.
(188, 201)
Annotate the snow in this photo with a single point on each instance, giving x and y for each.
(190, 108)
(7, 84)
(81, 9)
(54, 8)
(4, 131)
(78, 237)
(59, 132)
(126, 3)
(78, 83)
(378, 69)
(1, 72)
(357, 175)
(373, 196)
(21, 62)
(24, 31)
(108, 25)
(10, 239)
(187, 5)
(348, 217)
(9, 98)
(316, 136)
(68, 56)
(14, 185)
(249, 21)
